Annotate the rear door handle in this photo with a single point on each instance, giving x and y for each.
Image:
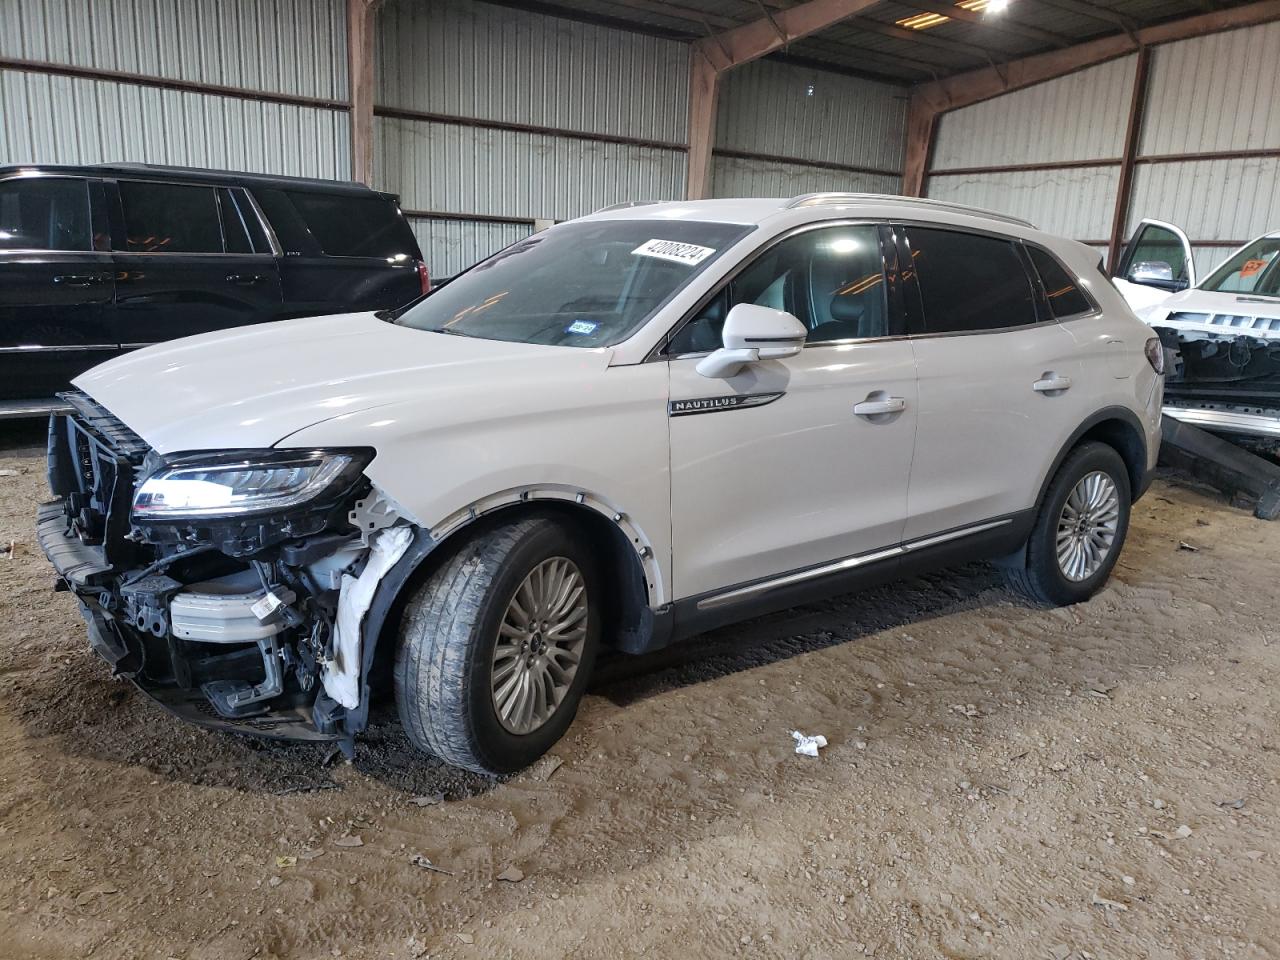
(878, 404)
(1051, 384)
(78, 279)
(245, 279)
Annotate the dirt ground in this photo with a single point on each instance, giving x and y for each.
(1001, 781)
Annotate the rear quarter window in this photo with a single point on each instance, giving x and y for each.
(348, 226)
(1066, 299)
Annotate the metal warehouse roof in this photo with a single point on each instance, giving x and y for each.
(874, 44)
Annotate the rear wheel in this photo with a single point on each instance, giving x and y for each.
(1080, 529)
(497, 646)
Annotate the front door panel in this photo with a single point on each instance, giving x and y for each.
(772, 471)
(56, 284)
(54, 320)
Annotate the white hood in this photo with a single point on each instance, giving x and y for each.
(253, 386)
(1231, 314)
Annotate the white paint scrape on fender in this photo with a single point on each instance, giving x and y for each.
(342, 673)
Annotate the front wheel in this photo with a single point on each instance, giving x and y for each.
(497, 646)
(1080, 529)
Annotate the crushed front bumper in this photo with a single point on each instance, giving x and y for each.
(175, 610)
(84, 571)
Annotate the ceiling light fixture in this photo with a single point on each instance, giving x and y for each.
(923, 21)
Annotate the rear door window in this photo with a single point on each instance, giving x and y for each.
(45, 213)
(1066, 299)
(170, 218)
(354, 226)
(970, 282)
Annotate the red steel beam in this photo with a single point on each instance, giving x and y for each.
(713, 55)
(931, 100)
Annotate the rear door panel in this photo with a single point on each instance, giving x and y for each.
(986, 352)
(171, 283)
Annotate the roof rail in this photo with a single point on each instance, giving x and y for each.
(819, 199)
(625, 204)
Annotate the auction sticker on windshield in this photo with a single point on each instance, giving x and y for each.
(689, 253)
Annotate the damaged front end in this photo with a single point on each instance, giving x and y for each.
(1224, 375)
(241, 589)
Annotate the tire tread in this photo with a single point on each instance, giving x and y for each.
(1033, 578)
(431, 667)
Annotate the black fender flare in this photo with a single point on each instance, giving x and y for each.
(1126, 416)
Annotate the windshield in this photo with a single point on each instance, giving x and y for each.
(1255, 269)
(579, 284)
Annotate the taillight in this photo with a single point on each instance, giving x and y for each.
(1155, 354)
(424, 278)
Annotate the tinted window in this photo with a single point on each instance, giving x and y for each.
(587, 284)
(295, 239)
(347, 226)
(165, 218)
(832, 280)
(970, 282)
(1065, 298)
(39, 213)
(235, 233)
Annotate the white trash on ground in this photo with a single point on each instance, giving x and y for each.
(808, 746)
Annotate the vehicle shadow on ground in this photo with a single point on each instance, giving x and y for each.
(842, 619)
(118, 724)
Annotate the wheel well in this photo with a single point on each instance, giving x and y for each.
(628, 617)
(1127, 441)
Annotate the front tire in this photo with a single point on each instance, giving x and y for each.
(1080, 529)
(497, 646)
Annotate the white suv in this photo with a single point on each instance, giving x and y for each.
(621, 432)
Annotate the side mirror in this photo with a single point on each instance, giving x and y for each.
(753, 333)
(1151, 271)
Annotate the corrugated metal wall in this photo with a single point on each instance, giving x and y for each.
(1077, 117)
(290, 48)
(773, 117)
(1213, 94)
(487, 117)
(53, 119)
(283, 46)
(1049, 123)
(478, 71)
(1218, 94)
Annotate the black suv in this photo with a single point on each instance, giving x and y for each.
(98, 260)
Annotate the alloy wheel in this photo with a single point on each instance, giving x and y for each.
(539, 645)
(1087, 526)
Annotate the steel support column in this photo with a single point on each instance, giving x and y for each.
(713, 55)
(1132, 134)
(360, 27)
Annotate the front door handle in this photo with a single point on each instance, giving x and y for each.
(878, 403)
(1051, 383)
(77, 279)
(245, 279)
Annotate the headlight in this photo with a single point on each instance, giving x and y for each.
(233, 485)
